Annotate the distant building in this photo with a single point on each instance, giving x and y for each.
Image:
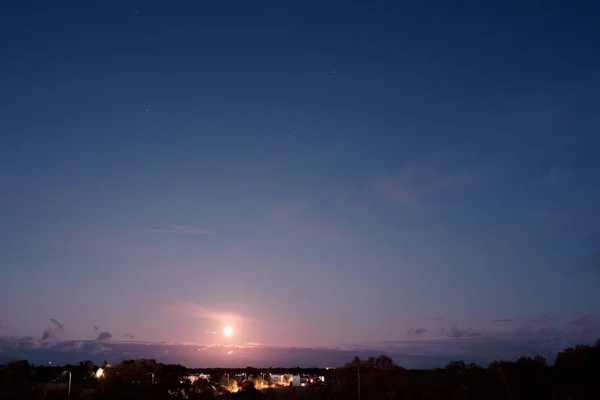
(296, 381)
(277, 379)
(194, 378)
(240, 377)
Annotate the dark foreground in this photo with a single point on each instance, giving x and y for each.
(574, 375)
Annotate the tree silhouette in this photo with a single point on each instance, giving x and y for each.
(573, 375)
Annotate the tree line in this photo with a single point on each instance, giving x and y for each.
(574, 375)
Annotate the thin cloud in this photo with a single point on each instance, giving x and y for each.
(397, 192)
(455, 333)
(549, 331)
(53, 331)
(503, 320)
(104, 336)
(58, 324)
(429, 318)
(522, 331)
(334, 146)
(585, 321)
(195, 310)
(526, 331)
(184, 230)
(409, 185)
(416, 331)
(297, 218)
(556, 176)
(543, 319)
(595, 260)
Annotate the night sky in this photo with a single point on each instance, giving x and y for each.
(327, 178)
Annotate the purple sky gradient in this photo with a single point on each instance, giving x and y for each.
(395, 173)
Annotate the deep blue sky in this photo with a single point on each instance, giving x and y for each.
(311, 172)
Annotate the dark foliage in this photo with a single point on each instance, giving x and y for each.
(575, 375)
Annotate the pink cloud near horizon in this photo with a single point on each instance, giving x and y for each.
(195, 310)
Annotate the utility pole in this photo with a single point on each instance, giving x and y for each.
(358, 373)
(505, 383)
(69, 392)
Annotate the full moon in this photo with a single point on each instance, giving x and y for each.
(228, 331)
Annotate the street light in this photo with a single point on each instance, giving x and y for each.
(69, 393)
(358, 372)
(151, 373)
